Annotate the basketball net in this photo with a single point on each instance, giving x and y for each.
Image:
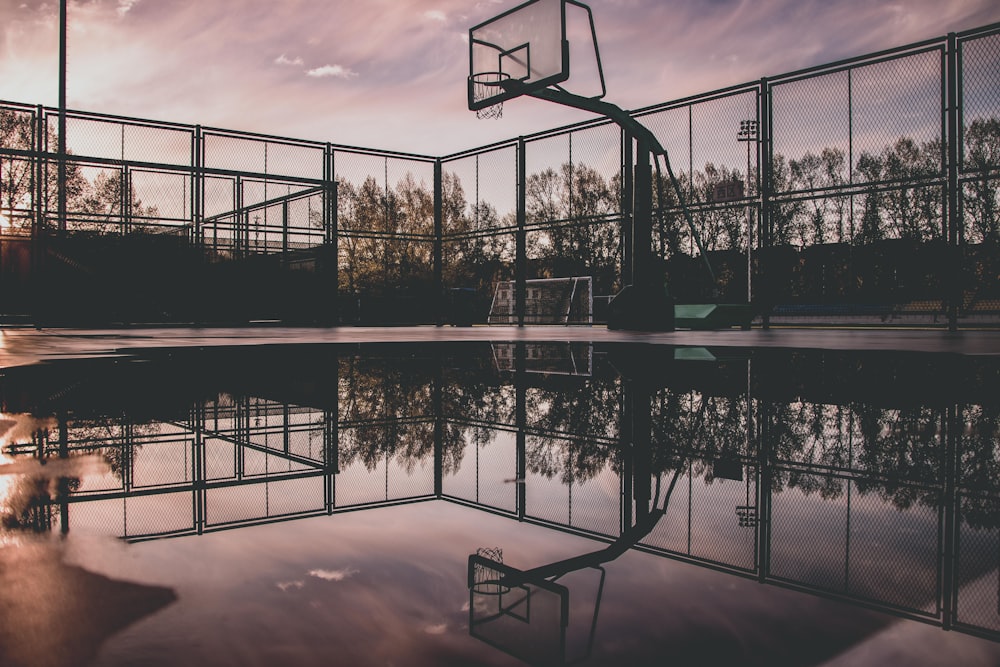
(484, 86)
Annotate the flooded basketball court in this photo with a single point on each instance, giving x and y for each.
(186, 497)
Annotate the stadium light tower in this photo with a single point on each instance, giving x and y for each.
(748, 134)
(62, 116)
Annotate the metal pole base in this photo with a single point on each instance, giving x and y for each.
(641, 309)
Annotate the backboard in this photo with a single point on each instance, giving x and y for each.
(527, 619)
(522, 50)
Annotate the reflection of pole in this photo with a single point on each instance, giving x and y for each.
(63, 482)
(748, 135)
(637, 428)
(949, 591)
(764, 491)
(438, 410)
(198, 467)
(521, 237)
(521, 421)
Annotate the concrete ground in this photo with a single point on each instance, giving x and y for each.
(20, 346)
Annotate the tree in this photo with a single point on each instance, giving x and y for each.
(981, 203)
(898, 204)
(18, 175)
(101, 204)
(820, 172)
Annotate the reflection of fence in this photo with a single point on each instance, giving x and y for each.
(869, 191)
(889, 499)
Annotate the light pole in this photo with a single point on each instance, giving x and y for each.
(748, 134)
(62, 117)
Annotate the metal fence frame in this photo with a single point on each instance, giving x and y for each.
(237, 187)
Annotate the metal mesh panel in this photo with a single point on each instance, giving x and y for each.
(220, 459)
(980, 194)
(980, 80)
(232, 504)
(546, 498)
(488, 470)
(673, 531)
(716, 147)
(460, 481)
(977, 601)
(99, 517)
(909, 532)
(597, 503)
(294, 496)
(496, 473)
(808, 534)
(895, 102)
(163, 198)
(234, 153)
(89, 137)
(162, 463)
(412, 476)
(162, 513)
(811, 119)
(478, 203)
(160, 145)
(362, 469)
(717, 533)
(307, 442)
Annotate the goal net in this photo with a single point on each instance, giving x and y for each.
(546, 301)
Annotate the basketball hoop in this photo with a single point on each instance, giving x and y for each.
(486, 580)
(484, 86)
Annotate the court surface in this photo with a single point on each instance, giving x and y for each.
(20, 346)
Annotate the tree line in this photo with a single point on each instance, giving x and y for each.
(386, 231)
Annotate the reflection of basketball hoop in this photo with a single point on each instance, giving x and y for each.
(484, 86)
(486, 579)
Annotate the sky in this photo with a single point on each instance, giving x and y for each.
(390, 74)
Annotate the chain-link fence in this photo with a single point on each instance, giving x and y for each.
(861, 191)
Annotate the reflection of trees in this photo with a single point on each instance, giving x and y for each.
(117, 440)
(692, 422)
(392, 395)
(589, 413)
(979, 465)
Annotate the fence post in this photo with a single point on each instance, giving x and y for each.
(197, 186)
(765, 232)
(521, 238)
(284, 231)
(331, 255)
(126, 199)
(627, 202)
(954, 288)
(438, 241)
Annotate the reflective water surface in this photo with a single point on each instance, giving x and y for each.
(501, 504)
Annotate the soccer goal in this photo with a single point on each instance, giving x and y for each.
(546, 301)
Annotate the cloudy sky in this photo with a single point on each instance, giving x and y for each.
(391, 74)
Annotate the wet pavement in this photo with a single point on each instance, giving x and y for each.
(21, 346)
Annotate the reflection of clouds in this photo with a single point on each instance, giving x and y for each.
(286, 585)
(417, 53)
(438, 629)
(333, 575)
(19, 428)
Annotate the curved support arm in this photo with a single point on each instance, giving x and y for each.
(612, 111)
